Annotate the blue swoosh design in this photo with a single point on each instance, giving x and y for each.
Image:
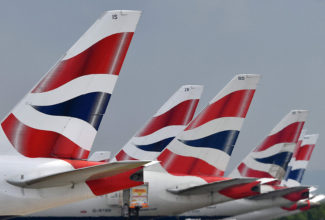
(224, 141)
(156, 147)
(296, 174)
(286, 176)
(88, 107)
(281, 159)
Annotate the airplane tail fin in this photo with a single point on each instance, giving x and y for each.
(60, 116)
(204, 147)
(300, 160)
(161, 129)
(100, 156)
(270, 159)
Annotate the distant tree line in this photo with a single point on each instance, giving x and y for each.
(313, 214)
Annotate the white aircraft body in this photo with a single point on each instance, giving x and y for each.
(167, 122)
(46, 138)
(190, 173)
(277, 212)
(268, 160)
(295, 172)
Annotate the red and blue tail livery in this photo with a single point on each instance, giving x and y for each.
(45, 140)
(300, 160)
(270, 159)
(205, 146)
(161, 129)
(61, 115)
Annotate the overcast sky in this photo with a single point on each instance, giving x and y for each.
(176, 43)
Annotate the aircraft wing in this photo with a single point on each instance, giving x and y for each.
(317, 200)
(278, 193)
(79, 175)
(210, 187)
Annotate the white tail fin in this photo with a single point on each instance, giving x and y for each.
(300, 160)
(161, 129)
(61, 115)
(204, 147)
(100, 156)
(271, 157)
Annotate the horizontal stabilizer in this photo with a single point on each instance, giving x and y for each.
(209, 187)
(313, 188)
(278, 193)
(318, 199)
(77, 176)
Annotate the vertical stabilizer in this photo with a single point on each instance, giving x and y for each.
(270, 159)
(62, 113)
(161, 129)
(100, 156)
(300, 160)
(205, 145)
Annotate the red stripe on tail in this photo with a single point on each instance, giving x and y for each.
(305, 152)
(174, 116)
(297, 148)
(32, 142)
(235, 104)
(286, 135)
(123, 156)
(104, 57)
(245, 171)
(187, 166)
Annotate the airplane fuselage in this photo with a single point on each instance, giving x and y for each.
(17, 200)
(162, 202)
